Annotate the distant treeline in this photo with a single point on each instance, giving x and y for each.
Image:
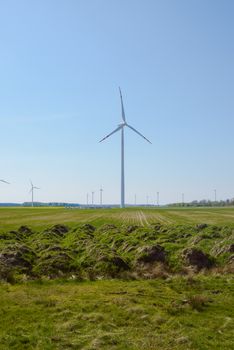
(205, 203)
(50, 204)
(39, 204)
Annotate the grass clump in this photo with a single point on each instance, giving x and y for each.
(198, 302)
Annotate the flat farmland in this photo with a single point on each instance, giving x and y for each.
(12, 218)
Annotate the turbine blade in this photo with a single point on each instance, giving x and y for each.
(122, 106)
(36, 188)
(31, 183)
(117, 129)
(139, 133)
(5, 182)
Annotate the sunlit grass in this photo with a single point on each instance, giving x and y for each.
(118, 315)
(12, 218)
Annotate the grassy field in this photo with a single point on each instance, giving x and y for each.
(179, 313)
(101, 282)
(12, 218)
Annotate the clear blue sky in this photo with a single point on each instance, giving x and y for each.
(61, 63)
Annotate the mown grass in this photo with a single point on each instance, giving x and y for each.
(178, 313)
(39, 218)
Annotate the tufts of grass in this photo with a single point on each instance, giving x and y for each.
(114, 314)
(198, 302)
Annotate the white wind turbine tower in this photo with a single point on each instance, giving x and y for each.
(121, 127)
(101, 191)
(32, 191)
(92, 197)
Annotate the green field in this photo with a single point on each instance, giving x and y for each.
(116, 279)
(11, 218)
(179, 313)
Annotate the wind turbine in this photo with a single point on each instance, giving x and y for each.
(158, 199)
(5, 182)
(215, 195)
(182, 199)
(32, 189)
(101, 190)
(121, 127)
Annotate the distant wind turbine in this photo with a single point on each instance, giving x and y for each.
(182, 198)
(32, 191)
(101, 191)
(5, 182)
(121, 127)
(158, 199)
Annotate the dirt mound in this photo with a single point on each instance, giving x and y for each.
(230, 249)
(17, 255)
(88, 228)
(59, 230)
(54, 262)
(197, 258)
(131, 228)
(9, 235)
(108, 227)
(150, 254)
(120, 263)
(25, 230)
(201, 226)
(156, 226)
(110, 265)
